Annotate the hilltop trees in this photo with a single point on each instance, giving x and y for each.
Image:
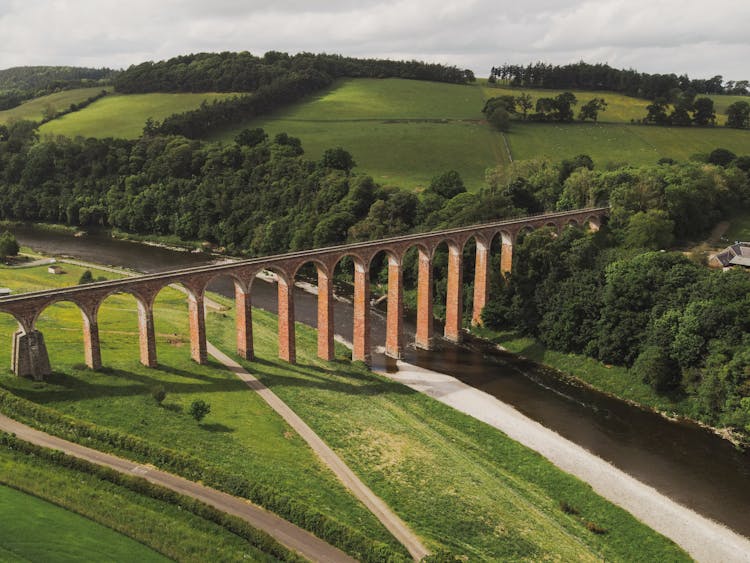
(686, 110)
(738, 115)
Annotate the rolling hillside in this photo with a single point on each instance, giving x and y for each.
(401, 132)
(405, 132)
(34, 108)
(124, 116)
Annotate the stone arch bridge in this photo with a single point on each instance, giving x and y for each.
(30, 356)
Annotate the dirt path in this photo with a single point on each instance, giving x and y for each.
(288, 534)
(703, 539)
(393, 523)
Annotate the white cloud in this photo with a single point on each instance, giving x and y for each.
(654, 36)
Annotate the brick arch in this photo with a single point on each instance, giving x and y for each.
(390, 251)
(238, 279)
(594, 222)
(88, 310)
(319, 264)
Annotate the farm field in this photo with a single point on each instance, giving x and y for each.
(620, 143)
(460, 484)
(402, 132)
(33, 109)
(124, 116)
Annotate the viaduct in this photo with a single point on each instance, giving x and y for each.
(30, 355)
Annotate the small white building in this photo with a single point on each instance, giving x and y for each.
(55, 270)
(4, 291)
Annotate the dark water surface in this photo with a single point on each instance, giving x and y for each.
(681, 460)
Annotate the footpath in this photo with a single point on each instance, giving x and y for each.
(286, 533)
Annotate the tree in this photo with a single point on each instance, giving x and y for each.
(652, 229)
(199, 409)
(338, 159)
(721, 157)
(447, 185)
(499, 119)
(738, 115)
(703, 112)
(8, 245)
(657, 112)
(251, 137)
(524, 102)
(86, 277)
(563, 105)
(591, 109)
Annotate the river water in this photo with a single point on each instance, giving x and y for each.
(683, 461)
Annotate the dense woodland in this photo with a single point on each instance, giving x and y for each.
(585, 76)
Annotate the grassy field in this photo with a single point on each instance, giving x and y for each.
(33, 109)
(84, 518)
(620, 143)
(32, 529)
(402, 132)
(459, 483)
(123, 116)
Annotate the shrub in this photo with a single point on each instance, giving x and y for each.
(199, 409)
(159, 394)
(86, 277)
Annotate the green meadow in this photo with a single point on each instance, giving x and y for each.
(620, 143)
(33, 109)
(402, 132)
(32, 529)
(461, 485)
(123, 116)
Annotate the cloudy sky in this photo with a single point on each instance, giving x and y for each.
(697, 37)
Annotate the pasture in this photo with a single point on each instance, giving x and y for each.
(402, 132)
(33, 109)
(124, 116)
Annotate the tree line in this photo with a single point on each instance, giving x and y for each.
(501, 109)
(244, 72)
(585, 76)
(19, 84)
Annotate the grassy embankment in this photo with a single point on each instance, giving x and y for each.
(241, 435)
(124, 116)
(459, 483)
(33, 109)
(614, 139)
(87, 518)
(402, 132)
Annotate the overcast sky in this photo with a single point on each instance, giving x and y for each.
(697, 37)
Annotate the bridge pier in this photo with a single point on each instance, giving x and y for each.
(287, 347)
(454, 298)
(506, 259)
(424, 336)
(395, 314)
(244, 322)
(198, 350)
(481, 281)
(326, 350)
(147, 334)
(30, 357)
(91, 347)
(361, 345)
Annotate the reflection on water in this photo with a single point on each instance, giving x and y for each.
(683, 461)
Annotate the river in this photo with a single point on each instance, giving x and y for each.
(682, 460)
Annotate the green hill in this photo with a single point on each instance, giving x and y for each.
(124, 115)
(33, 109)
(401, 132)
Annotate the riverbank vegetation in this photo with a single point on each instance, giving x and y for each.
(494, 498)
